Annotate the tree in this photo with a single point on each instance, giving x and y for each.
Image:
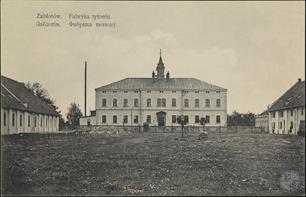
(241, 119)
(38, 90)
(74, 114)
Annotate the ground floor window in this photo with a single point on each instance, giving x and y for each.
(20, 120)
(186, 119)
(29, 121)
(280, 125)
(207, 119)
(135, 119)
(115, 119)
(125, 119)
(148, 119)
(13, 119)
(104, 119)
(41, 121)
(173, 118)
(35, 121)
(197, 119)
(218, 119)
(4, 119)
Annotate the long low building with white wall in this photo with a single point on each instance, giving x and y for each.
(23, 112)
(287, 114)
(158, 101)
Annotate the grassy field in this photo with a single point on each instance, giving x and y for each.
(152, 164)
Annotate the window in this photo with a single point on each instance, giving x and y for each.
(20, 120)
(173, 118)
(280, 125)
(185, 91)
(149, 91)
(103, 118)
(186, 118)
(218, 120)
(103, 102)
(196, 92)
(125, 119)
(29, 121)
(218, 91)
(115, 119)
(281, 114)
(4, 119)
(148, 102)
(163, 102)
(207, 119)
(13, 119)
(158, 102)
(103, 91)
(174, 91)
(35, 121)
(114, 102)
(291, 127)
(41, 121)
(161, 91)
(273, 114)
(114, 91)
(136, 102)
(218, 103)
(273, 125)
(148, 119)
(135, 119)
(173, 102)
(46, 122)
(302, 111)
(207, 103)
(291, 112)
(125, 102)
(196, 103)
(125, 91)
(186, 103)
(207, 92)
(197, 119)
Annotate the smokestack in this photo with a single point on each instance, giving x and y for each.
(85, 100)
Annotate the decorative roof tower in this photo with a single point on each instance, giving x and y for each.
(160, 69)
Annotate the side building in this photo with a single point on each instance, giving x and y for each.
(262, 121)
(286, 114)
(159, 100)
(23, 112)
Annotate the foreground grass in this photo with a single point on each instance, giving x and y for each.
(152, 164)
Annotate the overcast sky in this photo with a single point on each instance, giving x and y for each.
(254, 49)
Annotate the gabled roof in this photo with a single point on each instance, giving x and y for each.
(160, 84)
(294, 97)
(15, 95)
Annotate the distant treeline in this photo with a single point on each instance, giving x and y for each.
(241, 119)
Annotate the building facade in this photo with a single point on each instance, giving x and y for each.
(262, 121)
(159, 100)
(287, 114)
(23, 112)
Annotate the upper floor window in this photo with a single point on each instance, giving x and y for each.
(207, 92)
(291, 111)
(186, 103)
(114, 102)
(218, 103)
(104, 102)
(148, 102)
(218, 91)
(196, 91)
(207, 103)
(163, 102)
(115, 119)
(136, 91)
(161, 91)
(218, 119)
(125, 102)
(136, 104)
(173, 91)
(125, 91)
(273, 114)
(173, 102)
(103, 91)
(281, 114)
(196, 103)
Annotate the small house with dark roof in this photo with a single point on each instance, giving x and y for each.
(287, 113)
(23, 112)
(158, 101)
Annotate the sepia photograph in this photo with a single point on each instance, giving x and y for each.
(152, 98)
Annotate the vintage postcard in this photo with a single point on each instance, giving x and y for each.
(152, 98)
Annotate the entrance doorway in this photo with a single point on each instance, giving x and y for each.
(161, 118)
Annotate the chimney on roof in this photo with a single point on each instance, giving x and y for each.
(299, 80)
(167, 76)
